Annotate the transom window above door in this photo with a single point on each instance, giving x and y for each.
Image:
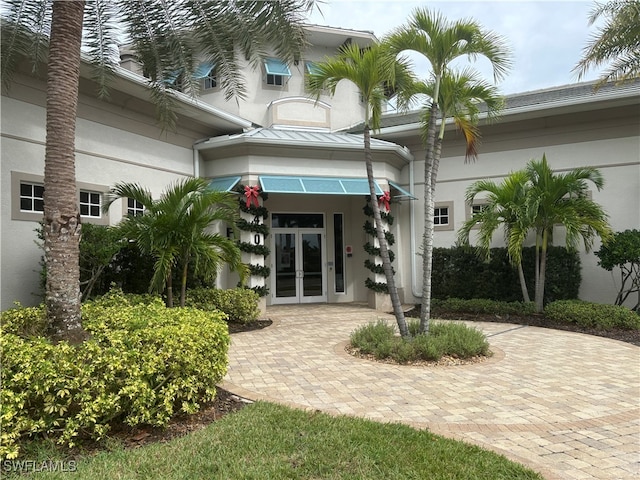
(297, 220)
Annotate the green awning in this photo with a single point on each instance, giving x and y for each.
(400, 193)
(223, 184)
(317, 185)
(273, 66)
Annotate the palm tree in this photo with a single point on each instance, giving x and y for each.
(441, 42)
(173, 230)
(505, 205)
(167, 37)
(376, 72)
(559, 199)
(616, 44)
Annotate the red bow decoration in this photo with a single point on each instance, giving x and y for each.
(385, 198)
(252, 195)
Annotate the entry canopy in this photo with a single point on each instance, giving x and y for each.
(317, 185)
(401, 194)
(223, 184)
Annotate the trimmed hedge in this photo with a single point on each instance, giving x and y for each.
(143, 363)
(458, 272)
(593, 315)
(239, 304)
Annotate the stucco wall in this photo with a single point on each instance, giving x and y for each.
(608, 140)
(110, 147)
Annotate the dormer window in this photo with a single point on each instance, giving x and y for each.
(277, 72)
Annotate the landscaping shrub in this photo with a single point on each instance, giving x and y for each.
(239, 304)
(143, 363)
(445, 338)
(482, 306)
(459, 272)
(593, 315)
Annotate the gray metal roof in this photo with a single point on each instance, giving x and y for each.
(565, 95)
(304, 138)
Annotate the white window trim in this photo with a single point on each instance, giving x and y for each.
(468, 210)
(22, 177)
(449, 226)
(125, 207)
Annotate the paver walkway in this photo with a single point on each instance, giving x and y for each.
(565, 404)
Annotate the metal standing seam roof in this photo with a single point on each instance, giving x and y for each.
(303, 138)
(318, 185)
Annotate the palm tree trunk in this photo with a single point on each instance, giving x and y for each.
(170, 289)
(542, 273)
(384, 250)
(61, 215)
(523, 284)
(183, 283)
(429, 206)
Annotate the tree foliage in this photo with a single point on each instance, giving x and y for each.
(174, 230)
(375, 71)
(616, 44)
(441, 42)
(622, 251)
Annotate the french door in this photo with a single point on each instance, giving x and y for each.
(298, 265)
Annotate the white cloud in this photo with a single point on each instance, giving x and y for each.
(546, 37)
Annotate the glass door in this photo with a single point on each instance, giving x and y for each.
(298, 266)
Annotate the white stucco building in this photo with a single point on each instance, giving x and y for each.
(298, 151)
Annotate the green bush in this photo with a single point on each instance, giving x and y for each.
(25, 322)
(459, 272)
(143, 363)
(239, 304)
(593, 315)
(483, 306)
(452, 339)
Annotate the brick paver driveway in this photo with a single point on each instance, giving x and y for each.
(565, 404)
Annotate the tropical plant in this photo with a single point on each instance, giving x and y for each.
(623, 251)
(442, 42)
(376, 72)
(505, 205)
(616, 43)
(174, 230)
(167, 37)
(558, 199)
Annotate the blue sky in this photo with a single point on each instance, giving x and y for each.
(546, 36)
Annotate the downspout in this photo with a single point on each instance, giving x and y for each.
(415, 291)
(196, 162)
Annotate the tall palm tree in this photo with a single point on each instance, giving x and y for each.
(376, 72)
(559, 199)
(616, 43)
(173, 230)
(167, 37)
(441, 42)
(505, 205)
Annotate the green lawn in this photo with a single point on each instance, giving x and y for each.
(268, 441)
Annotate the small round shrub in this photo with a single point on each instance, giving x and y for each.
(593, 315)
(239, 304)
(453, 339)
(373, 337)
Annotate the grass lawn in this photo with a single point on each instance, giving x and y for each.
(268, 441)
